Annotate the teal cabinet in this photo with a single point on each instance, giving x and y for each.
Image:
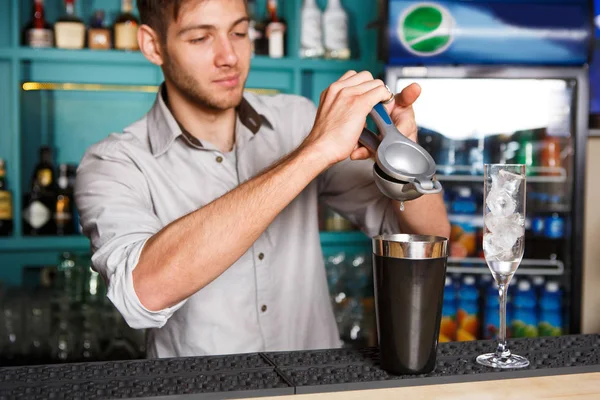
(70, 99)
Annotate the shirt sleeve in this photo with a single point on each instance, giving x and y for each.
(116, 214)
(348, 188)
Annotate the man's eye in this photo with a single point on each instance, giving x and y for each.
(241, 34)
(198, 40)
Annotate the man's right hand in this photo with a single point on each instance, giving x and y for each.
(343, 110)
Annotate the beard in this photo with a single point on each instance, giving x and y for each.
(189, 87)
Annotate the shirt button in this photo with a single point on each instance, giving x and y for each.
(263, 308)
(219, 159)
(261, 256)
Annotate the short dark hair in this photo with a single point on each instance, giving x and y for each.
(155, 14)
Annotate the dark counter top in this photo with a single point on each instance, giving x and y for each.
(287, 373)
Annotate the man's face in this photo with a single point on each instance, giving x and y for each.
(207, 53)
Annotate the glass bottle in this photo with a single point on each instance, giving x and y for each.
(126, 26)
(38, 205)
(69, 30)
(6, 214)
(69, 281)
(63, 212)
(99, 37)
(335, 25)
(63, 342)
(311, 38)
(38, 32)
(11, 350)
(275, 31)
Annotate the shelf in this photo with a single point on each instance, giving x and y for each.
(344, 238)
(52, 243)
(135, 57)
(463, 174)
(527, 266)
(82, 56)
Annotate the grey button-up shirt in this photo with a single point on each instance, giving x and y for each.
(275, 297)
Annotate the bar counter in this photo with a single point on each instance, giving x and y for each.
(568, 362)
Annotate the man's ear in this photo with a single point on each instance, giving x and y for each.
(150, 44)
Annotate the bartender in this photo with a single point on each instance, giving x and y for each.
(202, 215)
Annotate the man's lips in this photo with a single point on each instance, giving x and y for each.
(228, 81)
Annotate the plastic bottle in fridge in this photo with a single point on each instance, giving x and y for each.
(525, 318)
(467, 316)
(448, 322)
(551, 310)
(491, 313)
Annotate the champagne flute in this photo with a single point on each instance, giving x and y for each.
(503, 244)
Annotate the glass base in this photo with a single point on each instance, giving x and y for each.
(512, 361)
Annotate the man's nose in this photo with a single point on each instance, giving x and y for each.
(225, 53)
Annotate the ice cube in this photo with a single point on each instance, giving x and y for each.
(507, 234)
(507, 255)
(508, 181)
(500, 202)
(493, 221)
(490, 247)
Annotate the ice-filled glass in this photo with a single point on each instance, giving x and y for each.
(503, 244)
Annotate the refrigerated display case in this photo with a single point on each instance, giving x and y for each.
(503, 82)
(471, 115)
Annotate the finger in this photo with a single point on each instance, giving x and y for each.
(404, 119)
(357, 79)
(374, 96)
(408, 95)
(347, 75)
(361, 88)
(360, 154)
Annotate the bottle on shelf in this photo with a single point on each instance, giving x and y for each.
(99, 37)
(71, 175)
(39, 204)
(38, 32)
(311, 38)
(63, 211)
(126, 26)
(69, 30)
(254, 33)
(275, 29)
(6, 213)
(550, 158)
(335, 27)
(70, 283)
(63, 345)
(528, 153)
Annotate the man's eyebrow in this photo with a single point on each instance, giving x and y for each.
(208, 26)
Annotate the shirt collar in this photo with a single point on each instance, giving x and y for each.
(163, 128)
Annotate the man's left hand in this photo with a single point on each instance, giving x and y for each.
(402, 114)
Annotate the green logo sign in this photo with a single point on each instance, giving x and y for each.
(425, 29)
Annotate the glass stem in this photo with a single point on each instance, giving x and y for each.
(502, 351)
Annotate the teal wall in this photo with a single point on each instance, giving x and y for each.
(70, 121)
